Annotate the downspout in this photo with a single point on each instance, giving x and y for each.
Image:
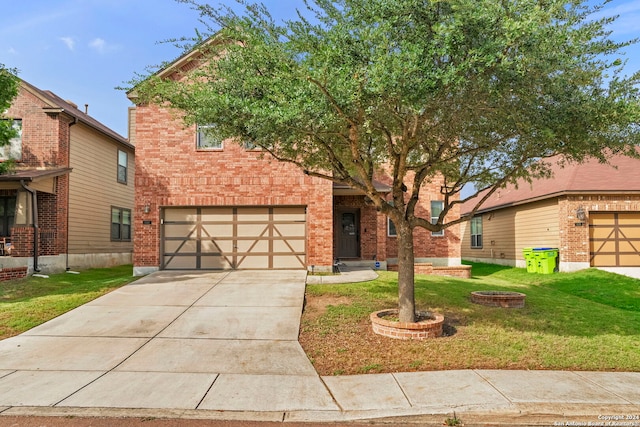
(34, 203)
(75, 121)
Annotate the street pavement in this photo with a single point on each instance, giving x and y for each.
(223, 346)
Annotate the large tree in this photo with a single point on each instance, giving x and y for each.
(475, 92)
(9, 83)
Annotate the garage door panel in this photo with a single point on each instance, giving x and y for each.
(601, 233)
(629, 259)
(214, 263)
(290, 214)
(253, 246)
(216, 214)
(287, 262)
(252, 230)
(178, 230)
(632, 219)
(253, 214)
(209, 246)
(234, 237)
(180, 262)
(289, 245)
(181, 246)
(626, 246)
(290, 229)
(217, 230)
(602, 218)
(254, 262)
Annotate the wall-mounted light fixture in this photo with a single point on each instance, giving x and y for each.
(581, 214)
(147, 209)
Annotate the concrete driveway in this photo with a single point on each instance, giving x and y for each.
(625, 271)
(221, 341)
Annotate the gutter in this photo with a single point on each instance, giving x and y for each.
(34, 204)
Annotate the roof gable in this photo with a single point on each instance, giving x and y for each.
(53, 101)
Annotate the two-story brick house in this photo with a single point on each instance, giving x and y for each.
(205, 204)
(68, 202)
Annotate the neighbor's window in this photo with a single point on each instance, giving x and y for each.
(120, 224)
(436, 208)
(205, 139)
(123, 160)
(476, 232)
(7, 214)
(13, 150)
(391, 228)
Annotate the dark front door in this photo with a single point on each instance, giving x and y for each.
(348, 232)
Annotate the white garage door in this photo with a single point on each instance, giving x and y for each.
(615, 239)
(224, 238)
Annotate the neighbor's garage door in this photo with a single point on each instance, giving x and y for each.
(234, 238)
(615, 239)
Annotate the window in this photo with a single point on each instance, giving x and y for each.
(476, 232)
(391, 228)
(250, 145)
(206, 140)
(7, 215)
(14, 149)
(120, 224)
(123, 160)
(436, 208)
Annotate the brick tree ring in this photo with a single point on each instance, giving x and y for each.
(503, 299)
(429, 325)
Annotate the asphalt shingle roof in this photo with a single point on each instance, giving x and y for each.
(622, 175)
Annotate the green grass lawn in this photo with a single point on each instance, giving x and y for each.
(28, 302)
(587, 320)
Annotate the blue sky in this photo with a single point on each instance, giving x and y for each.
(83, 49)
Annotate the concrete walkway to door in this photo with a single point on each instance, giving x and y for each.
(172, 340)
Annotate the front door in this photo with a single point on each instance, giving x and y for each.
(348, 233)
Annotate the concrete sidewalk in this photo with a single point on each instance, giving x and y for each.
(224, 346)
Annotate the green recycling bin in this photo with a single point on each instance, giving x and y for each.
(529, 259)
(546, 260)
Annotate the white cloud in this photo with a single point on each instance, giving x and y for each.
(98, 44)
(101, 46)
(69, 41)
(12, 51)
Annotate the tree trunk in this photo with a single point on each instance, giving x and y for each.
(406, 294)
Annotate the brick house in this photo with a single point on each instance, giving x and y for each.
(67, 203)
(589, 211)
(204, 204)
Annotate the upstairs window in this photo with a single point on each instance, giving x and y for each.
(205, 139)
(123, 160)
(437, 207)
(120, 224)
(476, 232)
(13, 151)
(391, 228)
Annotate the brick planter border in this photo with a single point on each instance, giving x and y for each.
(498, 299)
(430, 328)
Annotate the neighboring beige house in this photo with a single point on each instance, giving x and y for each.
(68, 204)
(589, 211)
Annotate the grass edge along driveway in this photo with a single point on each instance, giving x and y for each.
(29, 302)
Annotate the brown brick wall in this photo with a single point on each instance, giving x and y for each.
(40, 131)
(12, 273)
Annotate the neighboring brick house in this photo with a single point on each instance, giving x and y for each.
(589, 211)
(68, 202)
(204, 204)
